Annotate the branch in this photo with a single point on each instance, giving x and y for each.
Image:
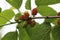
(46, 17)
(10, 23)
(32, 18)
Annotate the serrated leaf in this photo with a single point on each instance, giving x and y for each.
(56, 33)
(39, 32)
(46, 2)
(28, 4)
(23, 35)
(10, 36)
(15, 3)
(5, 16)
(47, 11)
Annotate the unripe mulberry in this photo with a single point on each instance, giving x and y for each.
(58, 13)
(29, 21)
(23, 17)
(26, 14)
(58, 22)
(33, 23)
(34, 11)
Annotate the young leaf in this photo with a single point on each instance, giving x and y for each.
(47, 11)
(46, 2)
(56, 33)
(39, 32)
(10, 36)
(28, 4)
(5, 16)
(23, 35)
(15, 3)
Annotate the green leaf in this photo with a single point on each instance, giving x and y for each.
(0, 10)
(5, 16)
(15, 3)
(46, 2)
(56, 33)
(39, 32)
(17, 16)
(28, 4)
(23, 35)
(47, 11)
(10, 36)
(55, 21)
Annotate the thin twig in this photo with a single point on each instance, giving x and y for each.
(46, 17)
(10, 23)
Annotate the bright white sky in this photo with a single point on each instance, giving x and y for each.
(4, 5)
